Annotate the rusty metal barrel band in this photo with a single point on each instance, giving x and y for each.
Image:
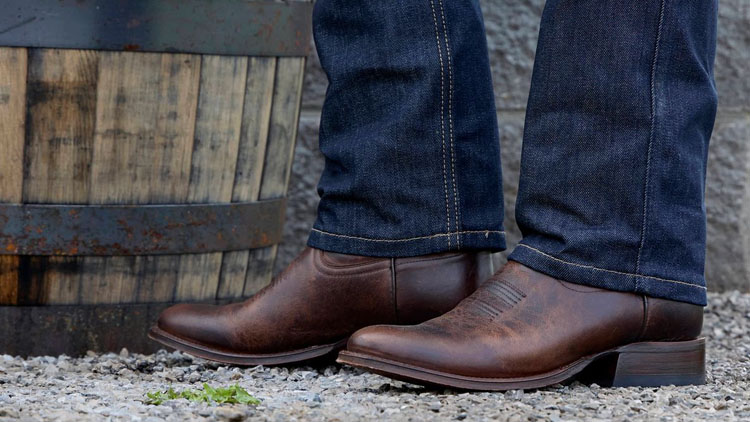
(113, 230)
(225, 27)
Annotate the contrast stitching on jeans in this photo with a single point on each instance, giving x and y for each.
(589, 267)
(451, 137)
(650, 140)
(442, 116)
(408, 239)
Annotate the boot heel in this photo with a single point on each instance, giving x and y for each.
(650, 364)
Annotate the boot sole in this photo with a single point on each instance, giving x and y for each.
(293, 356)
(650, 364)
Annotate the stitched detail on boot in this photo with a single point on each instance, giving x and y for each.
(505, 292)
(368, 268)
(487, 308)
(513, 289)
(644, 323)
(442, 117)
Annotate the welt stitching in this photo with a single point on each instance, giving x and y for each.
(451, 136)
(409, 239)
(589, 267)
(646, 189)
(560, 370)
(442, 117)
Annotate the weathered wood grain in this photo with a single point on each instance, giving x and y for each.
(60, 105)
(13, 69)
(256, 117)
(217, 138)
(145, 121)
(277, 166)
(93, 127)
(8, 280)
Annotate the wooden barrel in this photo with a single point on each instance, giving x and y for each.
(145, 153)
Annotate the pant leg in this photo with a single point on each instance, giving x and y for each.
(621, 110)
(408, 129)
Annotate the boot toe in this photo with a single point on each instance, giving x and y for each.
(428, 347)
(195, 324)
(375, 340)
(405, 344)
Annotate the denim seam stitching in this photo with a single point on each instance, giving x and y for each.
(610, 271)
(646, 189)
(451, 135)
(408, 239)
(442, 117)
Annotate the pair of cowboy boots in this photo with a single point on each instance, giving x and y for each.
(444, 319)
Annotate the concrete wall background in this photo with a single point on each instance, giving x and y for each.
(512, 28)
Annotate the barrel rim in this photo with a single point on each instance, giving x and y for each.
(220, 27)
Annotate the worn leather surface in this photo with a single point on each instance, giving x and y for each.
(323, 297)
(523, 323)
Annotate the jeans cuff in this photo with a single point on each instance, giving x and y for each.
(473, 240)
(591, 276)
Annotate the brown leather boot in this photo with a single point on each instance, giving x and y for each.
(314, 305)
(523, 329)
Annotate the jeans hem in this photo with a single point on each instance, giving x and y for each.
(587, 275)
(470, 240)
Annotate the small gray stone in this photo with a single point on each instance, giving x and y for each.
(228, 414)
(7, 412)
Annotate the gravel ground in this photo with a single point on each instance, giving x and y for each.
(112, 387)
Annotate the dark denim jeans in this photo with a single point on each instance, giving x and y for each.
(620, 113)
